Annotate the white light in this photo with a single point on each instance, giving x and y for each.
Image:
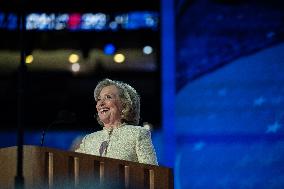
(73, 58)
(40, 21)
(94, 21)
(75, 67)
(147, 50)
(119, 58)
(60, 21)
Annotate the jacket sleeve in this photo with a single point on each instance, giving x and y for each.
(144, 148)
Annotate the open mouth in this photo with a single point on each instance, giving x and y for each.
(103, 110)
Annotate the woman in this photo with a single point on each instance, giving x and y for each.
(118, 111)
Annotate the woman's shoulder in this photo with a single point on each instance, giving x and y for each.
(134, 128)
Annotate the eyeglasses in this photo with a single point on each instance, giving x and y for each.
(103, 147)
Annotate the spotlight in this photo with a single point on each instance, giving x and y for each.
(73, 58)
(109, 49)
(147, 50)
(29, 59)
(75, 67)
(119, 58)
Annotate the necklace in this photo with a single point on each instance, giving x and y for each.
(104, 145)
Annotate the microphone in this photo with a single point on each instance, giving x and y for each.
(63, 117)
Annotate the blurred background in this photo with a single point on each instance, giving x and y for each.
(209, 72)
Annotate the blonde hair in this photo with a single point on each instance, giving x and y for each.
(129, 98)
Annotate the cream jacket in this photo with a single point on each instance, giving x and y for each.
(128, 142)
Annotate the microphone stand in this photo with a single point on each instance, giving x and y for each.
(47, 128)
(63, 117)
(19, 178)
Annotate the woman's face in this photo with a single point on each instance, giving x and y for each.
(109, 106)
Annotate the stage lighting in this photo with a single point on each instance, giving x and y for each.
(73, 58)
(119, 58)
(113, 26)
(74, 21)
(75, 67)
(29, 59)
(147, 50)
(109, 49)
(44, 21)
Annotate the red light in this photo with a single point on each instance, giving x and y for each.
(74, 21)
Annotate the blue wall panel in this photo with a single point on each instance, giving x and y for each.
(229, 125)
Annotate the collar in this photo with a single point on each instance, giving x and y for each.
(115, 128)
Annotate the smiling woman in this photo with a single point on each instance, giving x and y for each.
(109, 107)
(118, 111)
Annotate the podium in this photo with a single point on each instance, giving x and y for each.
(50, 168)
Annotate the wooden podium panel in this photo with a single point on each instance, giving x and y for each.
(52, 168)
